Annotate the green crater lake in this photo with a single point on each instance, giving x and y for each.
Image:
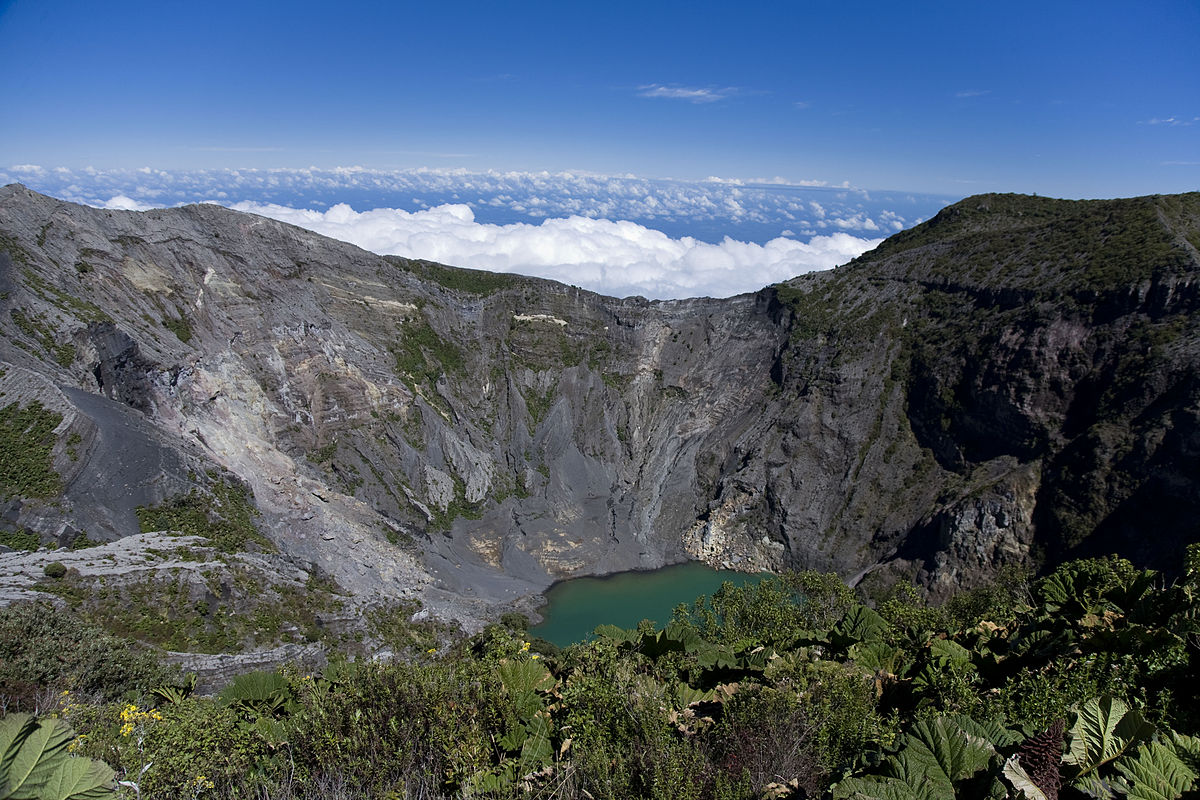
(575, 607)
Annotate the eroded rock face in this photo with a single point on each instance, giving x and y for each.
(973, 391)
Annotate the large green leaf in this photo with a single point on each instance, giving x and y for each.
(1156, 772)
(875, 787)
(1104, 731)
(685, 695)
(956, 754)
(712, 656)
(254, 688)
(615, 634)
(26, 768)
(1059, 590)
(685, 635)
(950, 651)
(990, 730)
(934, 756)
(536, 750)
(918, 767)
(515, 737)
(525, 676)
(878, 657)
(14, 730)
(78, 779)
(861, 624)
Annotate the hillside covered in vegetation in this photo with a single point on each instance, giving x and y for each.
(1080, 684)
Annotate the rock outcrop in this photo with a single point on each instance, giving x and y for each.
(1015, 381)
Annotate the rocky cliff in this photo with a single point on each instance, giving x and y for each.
(1014, 381)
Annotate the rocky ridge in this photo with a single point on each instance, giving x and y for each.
(1014, 381)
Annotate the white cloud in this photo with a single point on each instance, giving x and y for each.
(122, 203)
(1171, 122)
(685, 93)
(972, 93)
(615, 258)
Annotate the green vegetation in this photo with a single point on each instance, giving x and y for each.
(471, 281)
(457, 507)
(14, 250)
(37, 329)
(36, 762)
(1009, 240)
(323, 453)
(538, 404)
(232, 611)
(20, 540)
(223, 513)
(393, 627)
(82, 542)
(423, 356)
(178, 326)
(46, 649)
(83, 310)
(26, 440)
(1080, 684)
(73, 442)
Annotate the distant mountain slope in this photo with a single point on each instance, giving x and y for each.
(1013, 381)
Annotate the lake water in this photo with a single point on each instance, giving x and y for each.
(575, 607)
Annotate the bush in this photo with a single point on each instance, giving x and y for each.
(515, 621)
(55, 569)
(45, 648)
(414, 729)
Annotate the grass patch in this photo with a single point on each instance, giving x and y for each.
(36, 328)
(457, 507)
(538, 405)
(470, 281)
(20, 540)
(423, 355)
(26, 440)
(235, 611)
(179, 327)
(81, 309)
(223, 514)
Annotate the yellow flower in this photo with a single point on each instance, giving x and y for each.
(131, 717)
(534, 657)
(431, 650)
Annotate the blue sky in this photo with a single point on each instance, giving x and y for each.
(1063, 98)
(818, 119)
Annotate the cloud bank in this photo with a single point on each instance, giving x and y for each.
(676, 238)
(613, 258)
(711, 209)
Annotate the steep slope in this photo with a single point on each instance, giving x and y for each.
(1033, 369)
(1016, 379)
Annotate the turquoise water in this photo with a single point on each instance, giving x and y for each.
(575, 607)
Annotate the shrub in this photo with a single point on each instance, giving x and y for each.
(26, 439)
(416, 729)
(55, 569)
(44, 648)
